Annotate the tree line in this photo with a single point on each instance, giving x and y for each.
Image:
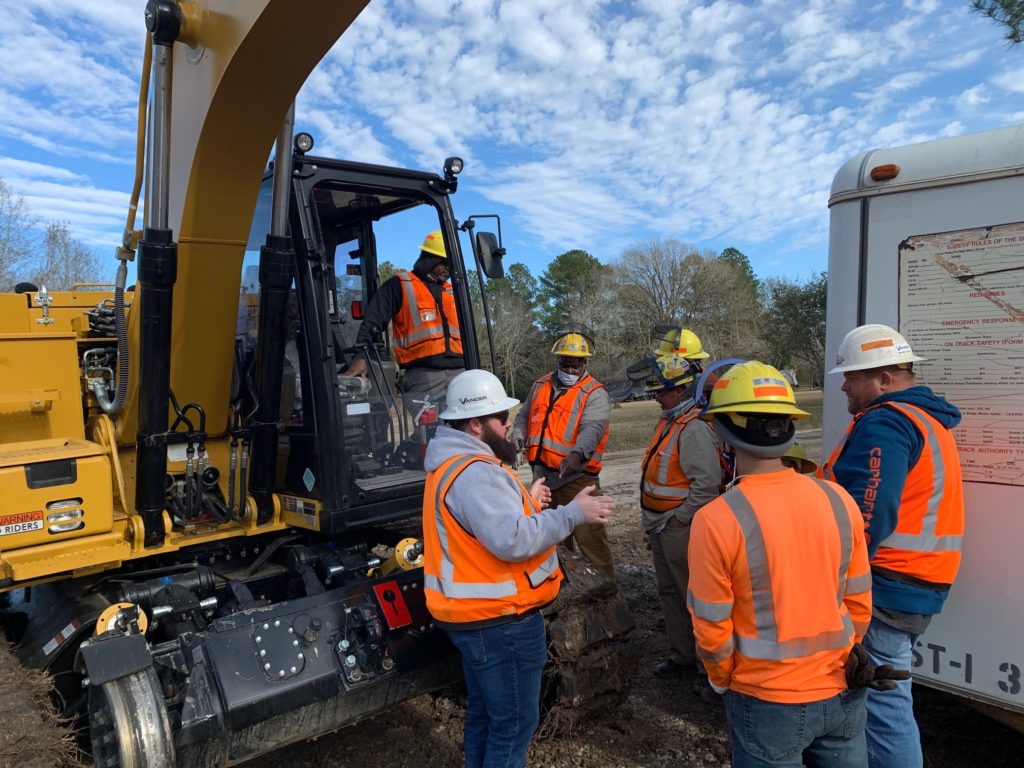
(42, 253)
(655, 282)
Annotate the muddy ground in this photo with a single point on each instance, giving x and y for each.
(660, 724)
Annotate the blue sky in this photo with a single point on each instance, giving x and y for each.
(584, 123)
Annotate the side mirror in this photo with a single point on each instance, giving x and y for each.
(490, 255)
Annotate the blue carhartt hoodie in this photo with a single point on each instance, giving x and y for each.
(901, 445)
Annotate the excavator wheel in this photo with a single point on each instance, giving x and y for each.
(592, 660)
(128, 723)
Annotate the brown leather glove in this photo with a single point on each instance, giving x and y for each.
(861, 673)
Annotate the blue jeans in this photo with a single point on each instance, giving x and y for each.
(503, 666)
(893, 738)
(822, 734)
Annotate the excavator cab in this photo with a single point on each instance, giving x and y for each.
(350, 451)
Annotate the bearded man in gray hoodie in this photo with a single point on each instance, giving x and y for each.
(490, 565)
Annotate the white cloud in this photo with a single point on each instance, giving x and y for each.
(591, 123)
(973, 97)
(1010, 80)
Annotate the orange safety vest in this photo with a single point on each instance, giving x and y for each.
(418, 330)
(663, 484)
(780, 587)
(555, 419)
(463, 581)
(926, 542)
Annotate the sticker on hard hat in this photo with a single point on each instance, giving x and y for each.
(770, 392)
(769, 380)
(902, 348)
(866, 347)
(21, 522)
(467, 400)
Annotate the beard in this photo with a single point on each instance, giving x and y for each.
(503, 448)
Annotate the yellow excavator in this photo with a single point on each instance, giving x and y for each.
(209, 535)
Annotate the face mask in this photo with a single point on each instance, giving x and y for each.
(567, 378)
(671, 413)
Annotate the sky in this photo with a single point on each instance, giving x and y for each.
(586, 124)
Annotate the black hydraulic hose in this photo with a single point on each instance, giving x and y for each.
(99, 388)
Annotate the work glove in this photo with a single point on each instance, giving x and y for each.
(861, 673)
(570, 465)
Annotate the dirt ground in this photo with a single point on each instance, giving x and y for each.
(32, 736)
(660, 724)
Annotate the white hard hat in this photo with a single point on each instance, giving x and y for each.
(873, 346)
(476, 393)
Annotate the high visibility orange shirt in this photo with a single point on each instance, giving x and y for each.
(780, 587)
(464, 583)
(418, 330)
(664, 485)
(555, 418)
(926, 542)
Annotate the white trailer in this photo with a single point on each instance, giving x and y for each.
(929, 239)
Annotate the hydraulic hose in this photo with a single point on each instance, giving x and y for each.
(99, 388)
(126, 251)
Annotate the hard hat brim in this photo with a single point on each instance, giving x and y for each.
(868, 367)
(757, 407)
(490, 409)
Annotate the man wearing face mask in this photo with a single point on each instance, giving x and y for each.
(420, 305)
(490, 565)
(680, 473)
(563, 427)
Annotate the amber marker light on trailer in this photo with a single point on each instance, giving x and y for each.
(885, 172)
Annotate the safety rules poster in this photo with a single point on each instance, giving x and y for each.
(962, 308)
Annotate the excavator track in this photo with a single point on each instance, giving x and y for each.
(592, 658)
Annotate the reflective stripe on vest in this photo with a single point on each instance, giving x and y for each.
(926, 540)
(663, 484)
(767, 645)
(463, 580)
(447, 583)
(410, 328)
(544, 447)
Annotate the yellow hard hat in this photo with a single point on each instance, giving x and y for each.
(752, 408)
(669, 372)
(681, 342)
(797, 459)
(756, 388)
(433, 243)
(573, 345)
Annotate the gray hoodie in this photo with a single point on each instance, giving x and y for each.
(487, 502)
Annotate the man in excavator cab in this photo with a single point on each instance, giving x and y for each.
(420, 305)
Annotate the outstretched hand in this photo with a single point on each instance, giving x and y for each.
(596, 509)
(541, 493)
(861, 673)
(358, 368)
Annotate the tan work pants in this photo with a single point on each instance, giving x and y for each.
(590, 538)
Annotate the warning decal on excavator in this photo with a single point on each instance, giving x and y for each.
(21, 523)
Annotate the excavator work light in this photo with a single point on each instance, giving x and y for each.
(303, 142)
(453, 166)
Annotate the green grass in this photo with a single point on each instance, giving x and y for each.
(633, 423)
(811, 401)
